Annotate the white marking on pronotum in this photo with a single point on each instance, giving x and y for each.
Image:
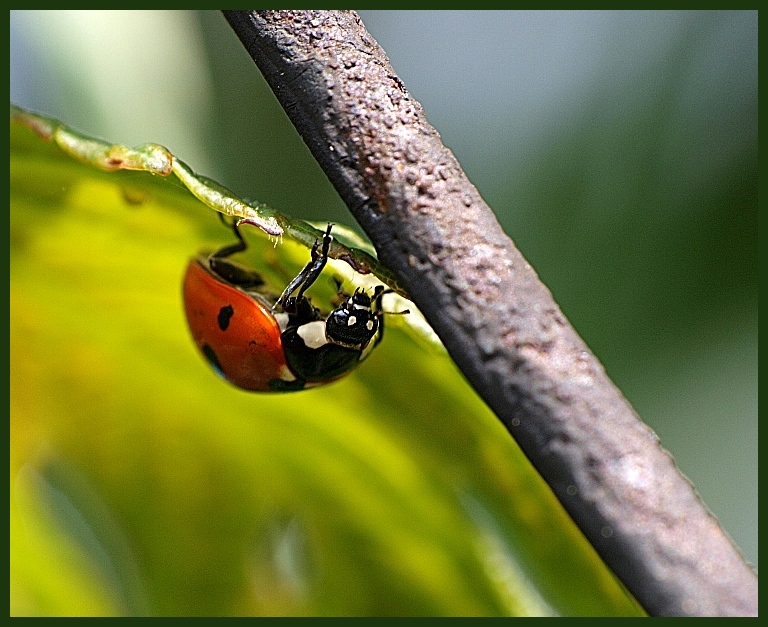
(313, 334)
(282, 320)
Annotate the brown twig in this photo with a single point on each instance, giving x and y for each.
(497, 320)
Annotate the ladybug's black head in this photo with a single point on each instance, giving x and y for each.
(354, 323)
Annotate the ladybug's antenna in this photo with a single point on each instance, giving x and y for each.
(380, 291)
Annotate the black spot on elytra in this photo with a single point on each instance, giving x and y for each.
(225, 315)
(213, 360)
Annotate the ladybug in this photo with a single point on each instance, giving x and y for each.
(262, 343)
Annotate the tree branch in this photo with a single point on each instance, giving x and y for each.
(498, 321)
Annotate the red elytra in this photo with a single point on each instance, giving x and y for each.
(235, 331)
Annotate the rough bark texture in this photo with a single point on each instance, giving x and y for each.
(497, 320)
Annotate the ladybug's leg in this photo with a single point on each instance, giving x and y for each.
(341, 295)
(240, 246)
(311, 271)
(229, 270)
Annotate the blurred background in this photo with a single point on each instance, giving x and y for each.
(618, 149)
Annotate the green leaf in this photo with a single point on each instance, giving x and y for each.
(141, 483)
